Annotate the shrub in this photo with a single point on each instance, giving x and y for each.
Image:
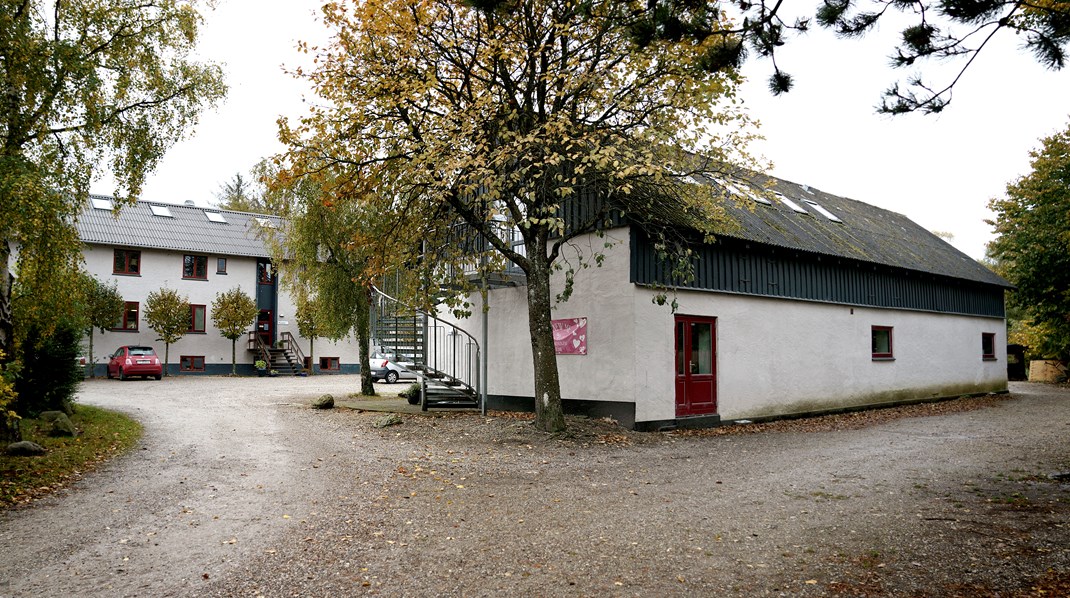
(50, 372)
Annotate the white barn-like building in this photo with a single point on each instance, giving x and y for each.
(808, 303)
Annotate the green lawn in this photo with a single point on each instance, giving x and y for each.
(102, 434)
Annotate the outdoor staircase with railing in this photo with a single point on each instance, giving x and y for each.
(284, 357)
(445, 356)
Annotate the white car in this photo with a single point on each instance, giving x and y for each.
(383, 367)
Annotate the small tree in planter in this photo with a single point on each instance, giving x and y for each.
(168, 314)
(104, 306)
(232, 313)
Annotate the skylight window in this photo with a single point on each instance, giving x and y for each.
(823, 211)
(791, 204)
(101, 203)
(215, 217)
(745, 191)
(162, 211)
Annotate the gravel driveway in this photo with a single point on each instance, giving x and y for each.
(238, 489)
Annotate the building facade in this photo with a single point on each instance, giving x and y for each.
(199, 253)
(807, 303)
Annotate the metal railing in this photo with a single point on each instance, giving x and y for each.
(445, 355)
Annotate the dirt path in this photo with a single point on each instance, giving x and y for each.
(237, 491)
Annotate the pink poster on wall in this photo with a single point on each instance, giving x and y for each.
(570, 336)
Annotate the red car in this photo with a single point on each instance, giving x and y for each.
(134, 360)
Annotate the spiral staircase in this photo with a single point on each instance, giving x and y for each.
(445, 357)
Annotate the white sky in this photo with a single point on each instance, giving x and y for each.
(938, 170)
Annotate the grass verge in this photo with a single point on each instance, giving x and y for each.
(102, 434)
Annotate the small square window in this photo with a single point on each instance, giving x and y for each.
(882, 342)
(988, 345)
(191, 363)
(129, 318)
(196, 320)
(329, 363)
(195, 266)
(221, 265)
(127, 261)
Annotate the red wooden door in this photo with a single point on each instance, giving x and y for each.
(263, 327)
(696, 366)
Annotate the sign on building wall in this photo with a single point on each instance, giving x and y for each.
(570, 336)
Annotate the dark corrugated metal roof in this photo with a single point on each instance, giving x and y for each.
(867, 233)
(187, 230)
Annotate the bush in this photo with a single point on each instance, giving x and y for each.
(50, 372)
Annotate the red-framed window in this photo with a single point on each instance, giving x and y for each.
(988, 345)
(221, 265)
(195, 266)
(882, 342)
(127, 261)
(197, 315)
(129, 320)
(191, 363)
(329, 363)
(263, 273)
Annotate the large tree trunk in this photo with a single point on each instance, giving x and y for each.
(549, 415)
(9, 429)
(364, 339)
(92, 368)
(7, 327)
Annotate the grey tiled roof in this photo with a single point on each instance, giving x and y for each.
(187, 230)
(867, 233)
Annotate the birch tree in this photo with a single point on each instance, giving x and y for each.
(87, 85)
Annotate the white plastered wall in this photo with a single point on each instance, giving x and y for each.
(774, 356)
(601, 294)
(778, 356)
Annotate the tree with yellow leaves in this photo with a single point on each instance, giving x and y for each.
(470, 119)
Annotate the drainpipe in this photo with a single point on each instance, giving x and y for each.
(483, 350)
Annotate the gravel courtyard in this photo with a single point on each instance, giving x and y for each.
(239, 489)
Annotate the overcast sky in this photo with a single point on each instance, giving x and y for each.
(938, 170)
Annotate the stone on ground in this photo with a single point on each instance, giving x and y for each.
(25, 448)
(324, 402)
(391, 419)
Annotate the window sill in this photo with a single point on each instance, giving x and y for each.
(196, 332)
(122, 330)
(986, 358)
(205, 279)
(875, 358)
(221, 273)
(127, 273)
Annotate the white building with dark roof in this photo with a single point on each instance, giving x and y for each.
(806, 302)
(198, 252)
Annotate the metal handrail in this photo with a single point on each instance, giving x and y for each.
(448, 350)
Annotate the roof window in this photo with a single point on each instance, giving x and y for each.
(823, 211)
(791, 204)
(745, 191)
(161, 211)
(215, 217)
(264, 222)
(101, 203)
